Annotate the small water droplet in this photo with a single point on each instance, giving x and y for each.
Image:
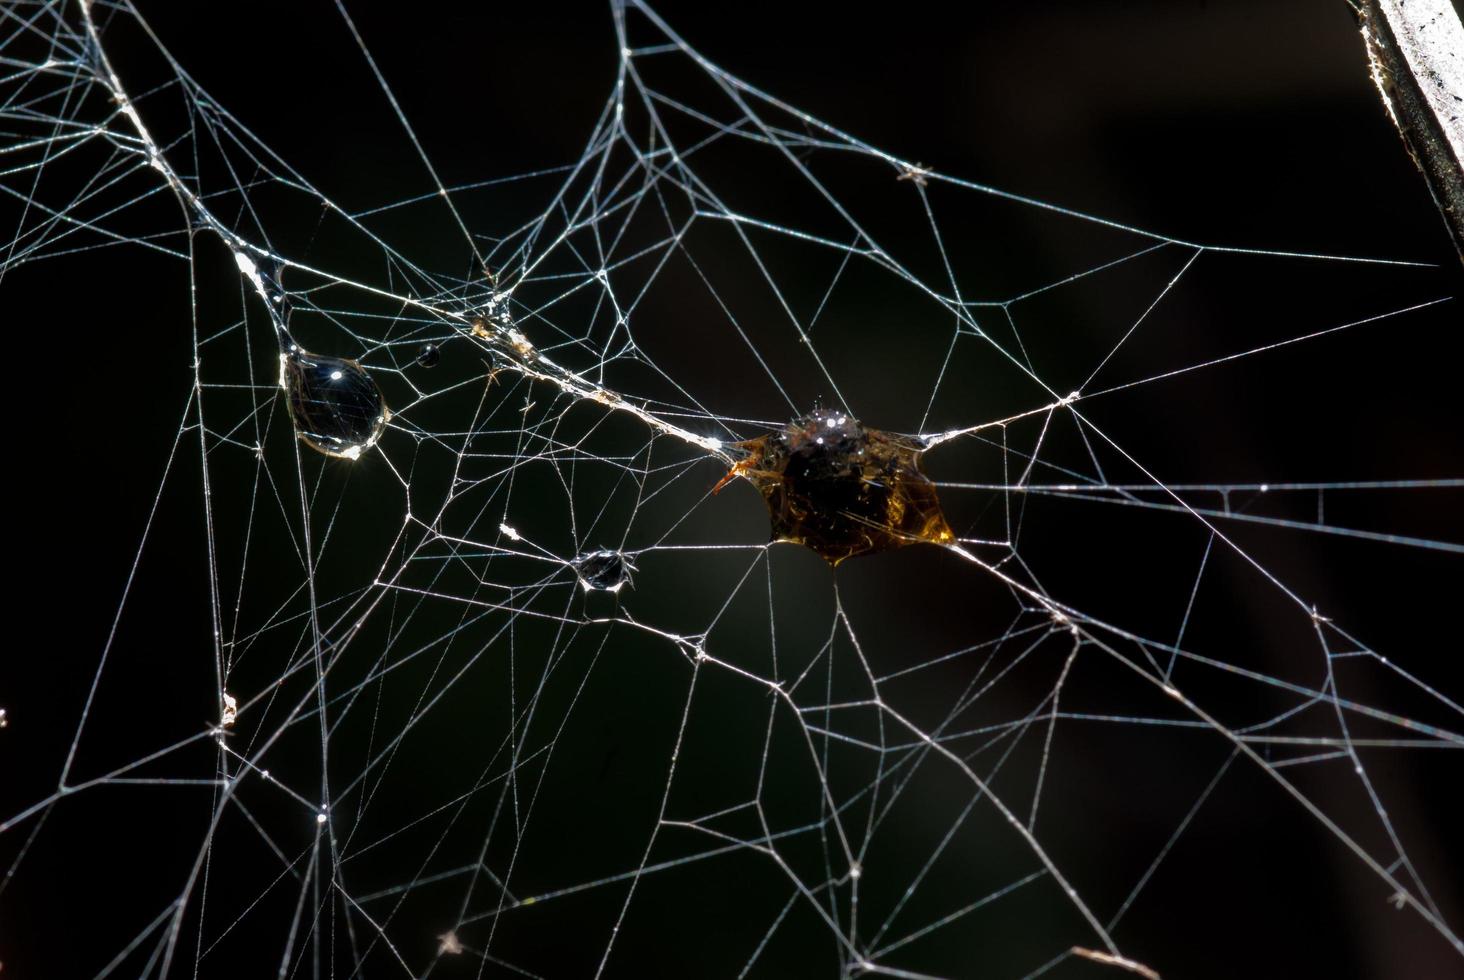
(603, 571)
(428, 356)
(336, 407)
(271, 276)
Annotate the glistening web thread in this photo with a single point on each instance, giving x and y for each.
(502, 673)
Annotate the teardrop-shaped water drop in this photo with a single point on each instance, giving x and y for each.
(336, 407)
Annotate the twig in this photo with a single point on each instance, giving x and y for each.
(1415, 50)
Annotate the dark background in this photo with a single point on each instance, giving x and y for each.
(1248, 124)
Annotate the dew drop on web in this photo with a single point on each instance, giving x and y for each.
(603, 571)
(336, 407)
(428, 356)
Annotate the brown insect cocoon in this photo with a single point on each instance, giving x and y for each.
(841, 489)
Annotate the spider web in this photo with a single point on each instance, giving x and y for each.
(372, 723)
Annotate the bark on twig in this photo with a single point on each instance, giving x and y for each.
(1415, 49)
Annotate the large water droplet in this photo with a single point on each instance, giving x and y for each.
(428, 355)
(336, 407)
(603, 571)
